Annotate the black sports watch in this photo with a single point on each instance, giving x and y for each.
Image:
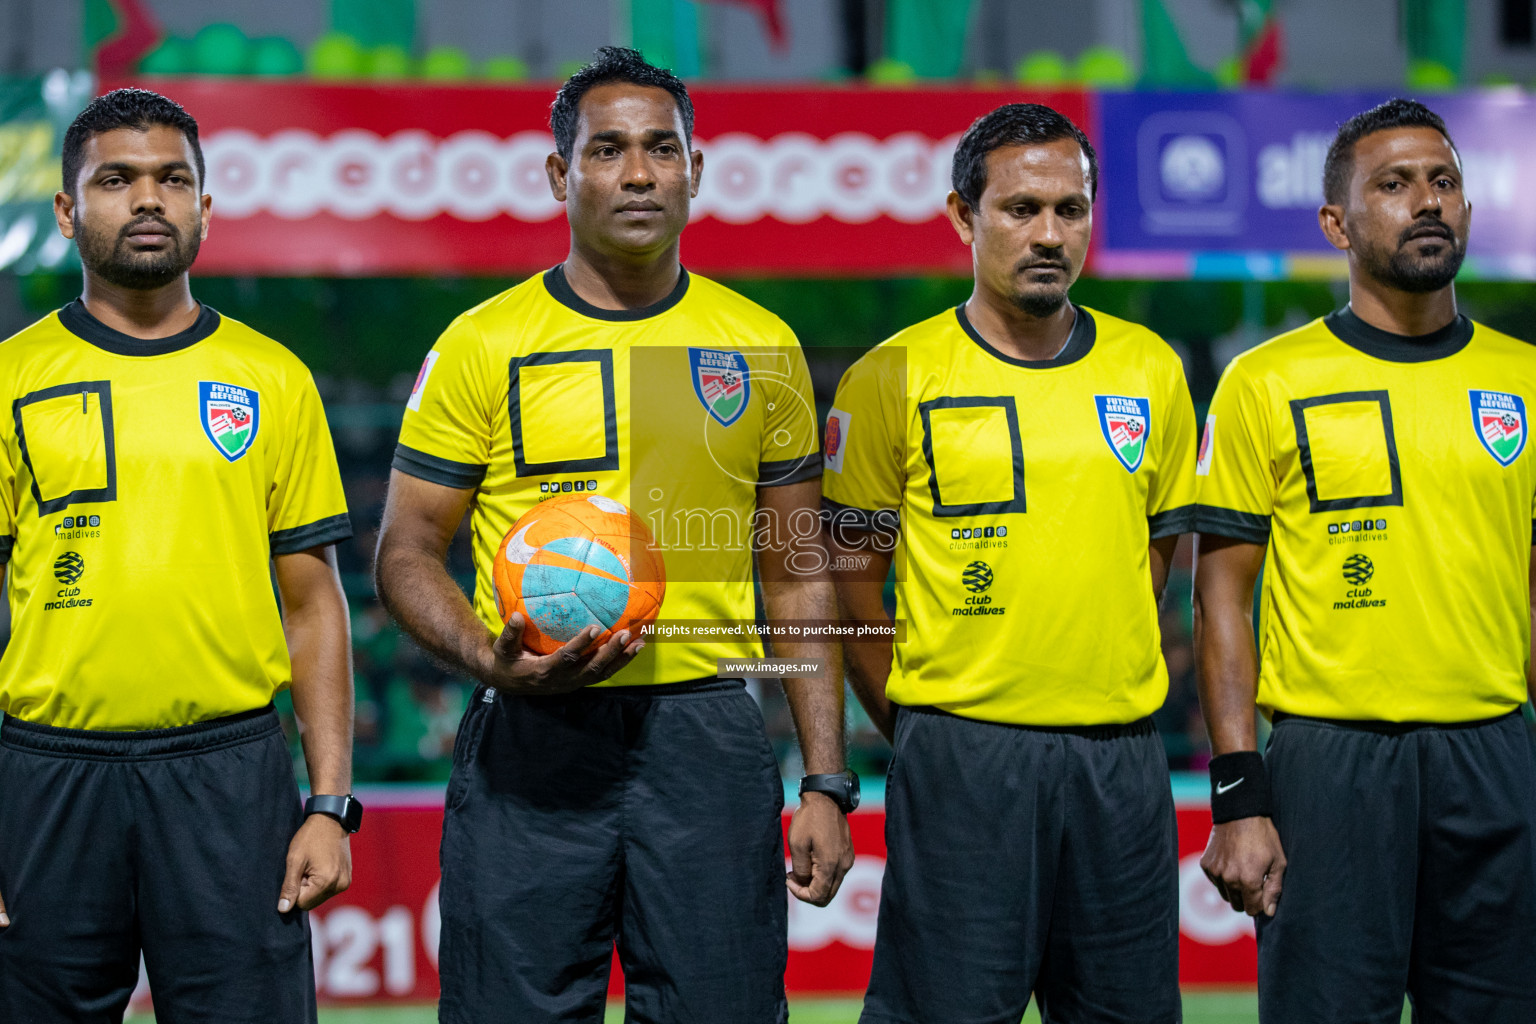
(842, 787)
(344, 809)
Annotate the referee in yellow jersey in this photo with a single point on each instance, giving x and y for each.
(159, 464)
(623, 796)
(1374, 464)
(1029, 465)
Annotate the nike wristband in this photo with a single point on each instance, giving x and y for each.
(1239, 787)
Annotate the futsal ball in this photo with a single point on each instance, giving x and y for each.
(575, 562)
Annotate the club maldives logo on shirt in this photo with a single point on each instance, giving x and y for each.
(1499, 420)
(722, 382)
(1124, 422)
(229, 415)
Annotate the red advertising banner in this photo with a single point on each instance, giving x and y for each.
(412, 179)
(378, 941)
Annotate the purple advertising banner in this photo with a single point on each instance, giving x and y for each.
(1228, 184)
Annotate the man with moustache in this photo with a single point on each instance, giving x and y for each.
(1374, 464)
(159, 465)
(1036, 459)
(622, 795)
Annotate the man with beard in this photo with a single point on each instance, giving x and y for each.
(1037, 459)
(1374, 464)
(623, 794)
(159, 466)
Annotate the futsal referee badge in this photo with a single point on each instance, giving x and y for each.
(1499, 420)
(721, 381)
(1124, 422)
(229, 416)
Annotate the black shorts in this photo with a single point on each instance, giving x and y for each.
(171, 843)
(1411, 867)
(644, 817)
(1024, 860)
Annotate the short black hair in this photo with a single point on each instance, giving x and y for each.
(137, 109)
(1395, 113)
(1014, 124)
(612, 64)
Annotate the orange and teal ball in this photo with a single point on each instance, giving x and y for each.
(575, 562)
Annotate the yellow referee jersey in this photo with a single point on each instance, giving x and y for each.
(1390, 481)
(680, 410)
(1027, 493)
(144, 487)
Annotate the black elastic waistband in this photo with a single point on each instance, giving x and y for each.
(687, 688)
(1140, 727)
(147, 744)
(1388, 728)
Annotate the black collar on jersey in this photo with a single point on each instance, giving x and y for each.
(79, 322)
(1399, 348)
(560, 288)
(1084, 331)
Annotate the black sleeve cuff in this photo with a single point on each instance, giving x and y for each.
(1224, 522)
(789, 471)
(435, 470)
(6, 543)
(301, 538)
(836, 514)
(1171, 522)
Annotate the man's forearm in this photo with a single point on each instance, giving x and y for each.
(319, 649)
(861, 598)
(1228, 678)
(816, 703)
(1160, 554)
(1530, 661)
(427, 603)
(869, 667)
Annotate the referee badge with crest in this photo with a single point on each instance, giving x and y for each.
(1125, 422)
(229, 415)
(1499, 419)
(722, 382)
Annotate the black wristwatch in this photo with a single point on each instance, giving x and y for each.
(842, 787)
(344, 809)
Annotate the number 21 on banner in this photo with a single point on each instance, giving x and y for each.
(346, 942)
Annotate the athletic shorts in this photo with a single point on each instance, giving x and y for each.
(171, 843)
(1410, 867)
(1024, 860)
(645, 818)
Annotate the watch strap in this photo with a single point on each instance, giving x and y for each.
(842, 787)
(345, 809)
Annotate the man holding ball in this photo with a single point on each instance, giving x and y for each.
(624, 794)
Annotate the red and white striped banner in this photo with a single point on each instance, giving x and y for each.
(408, 179)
